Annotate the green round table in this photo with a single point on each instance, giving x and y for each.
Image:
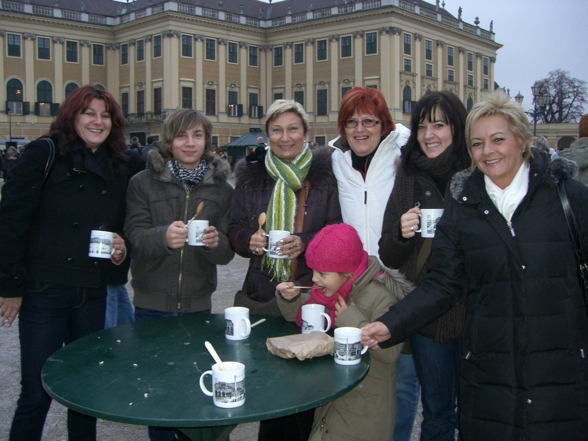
(148, 374)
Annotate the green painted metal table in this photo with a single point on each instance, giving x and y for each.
(148, 374)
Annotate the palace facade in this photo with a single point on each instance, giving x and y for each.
(232, 59)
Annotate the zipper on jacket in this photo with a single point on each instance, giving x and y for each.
(365, 197)
(179, 296)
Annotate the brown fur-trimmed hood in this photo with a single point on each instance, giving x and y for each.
(221, 167)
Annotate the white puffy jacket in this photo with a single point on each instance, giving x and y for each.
(363, 202)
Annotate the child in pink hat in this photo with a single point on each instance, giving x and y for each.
(355, 290)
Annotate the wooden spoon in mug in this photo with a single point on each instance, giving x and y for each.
(212, 352)
(198, 210)
(261, 220)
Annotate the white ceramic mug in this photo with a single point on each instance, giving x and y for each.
(429, 220)
(196, 231)
(348, 348)
(101, 244)
(228, 386)
(237, 324)
(313, 318)
(274, 241)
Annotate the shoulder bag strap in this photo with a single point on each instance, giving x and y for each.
(299, 222)
(575, 235)
(50, 158)
(571, 222)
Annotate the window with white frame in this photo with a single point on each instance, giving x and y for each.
(346, 46)
(371, 43)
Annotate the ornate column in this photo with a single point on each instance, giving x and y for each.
(265, 68)
(441, 72)
(199, 52)
(358, 48)
(148, 74)
(222, 80)
(28, 54)
(462, 72)
(310, 100)
(57, 52)
(418, 66)
(171, 61)
(289, 93)
(85, 54)
(332, 91)
(113, 71)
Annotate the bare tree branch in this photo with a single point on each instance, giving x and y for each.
(567, 97)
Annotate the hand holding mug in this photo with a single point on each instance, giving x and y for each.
(287, 290)
(409, 222)
(211, 237)
(291, 247)
(176, 234)
(258, 242)
(374, 333)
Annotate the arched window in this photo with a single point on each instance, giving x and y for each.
(44, 98)
(70, 88)
(14, 97)
(407, 100)
(44, 92)
(14, 90)
(470, 104)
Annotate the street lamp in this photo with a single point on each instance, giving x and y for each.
(539, 98)
(9, 123)
(519, 98)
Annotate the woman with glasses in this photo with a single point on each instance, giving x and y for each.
(363, 162)
(435, 151)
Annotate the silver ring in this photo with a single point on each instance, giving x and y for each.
(256, 250)
(411, 228)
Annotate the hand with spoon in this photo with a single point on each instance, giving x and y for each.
(258, 240)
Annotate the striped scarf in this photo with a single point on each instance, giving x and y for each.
(281, 211)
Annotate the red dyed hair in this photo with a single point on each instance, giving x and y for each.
(583, 127)
(369, 101)
(63, 129)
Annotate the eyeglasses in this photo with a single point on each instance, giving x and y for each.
(367, 123)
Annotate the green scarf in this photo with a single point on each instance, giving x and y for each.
(281, 211)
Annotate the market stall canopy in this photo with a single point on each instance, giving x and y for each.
(248, 139)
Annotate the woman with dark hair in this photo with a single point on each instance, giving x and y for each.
(435, 151)
(363, 161)
(46, 215)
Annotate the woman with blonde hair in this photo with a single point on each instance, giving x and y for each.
(504, 239)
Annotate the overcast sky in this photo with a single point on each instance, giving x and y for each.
(538, 36)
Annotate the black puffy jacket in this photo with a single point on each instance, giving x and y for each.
(524, 372)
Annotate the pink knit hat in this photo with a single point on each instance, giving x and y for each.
(336, 248)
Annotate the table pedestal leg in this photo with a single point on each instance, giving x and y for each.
(219, 433)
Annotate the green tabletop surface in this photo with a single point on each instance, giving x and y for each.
(148, 373)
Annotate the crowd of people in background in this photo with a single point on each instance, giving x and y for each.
(485, 323)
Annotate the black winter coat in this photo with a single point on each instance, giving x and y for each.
(45, 228)
(252, 194)
(524, 373)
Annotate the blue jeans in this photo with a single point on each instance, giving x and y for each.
(162, 433)
(407, 397)
(437, 365)
(119, 310)
(50, 316)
